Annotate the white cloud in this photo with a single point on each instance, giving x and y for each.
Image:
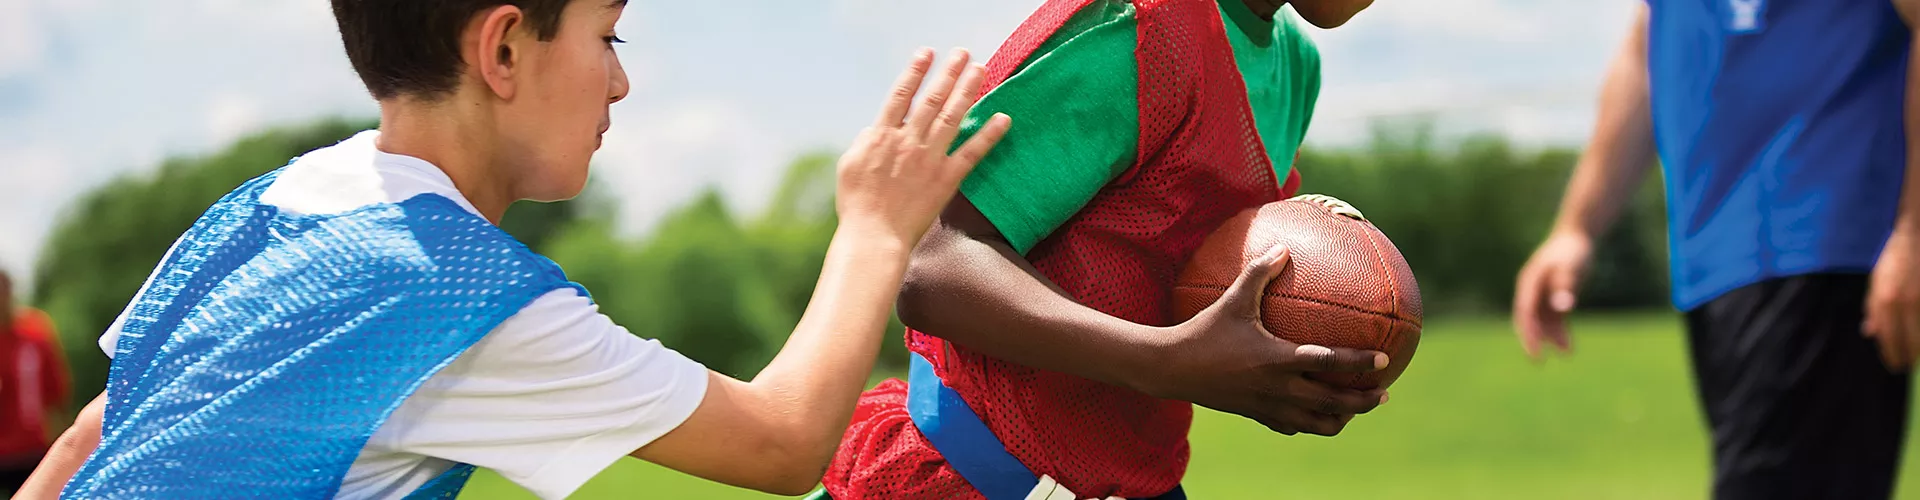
(1470, 62)
(22, 45)
(38, 181)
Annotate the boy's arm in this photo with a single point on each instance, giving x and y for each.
(67, 454)
(969, 282)
(778, 432)
(968, 285)
(1893, 296)
(1617, 158)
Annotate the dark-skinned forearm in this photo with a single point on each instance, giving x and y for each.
(966, 284)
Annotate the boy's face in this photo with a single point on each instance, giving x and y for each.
(555, 121)
(1329, 14)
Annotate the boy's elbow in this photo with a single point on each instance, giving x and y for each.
(932, 267)
(793, 485)
(916, 293)
(796, 468)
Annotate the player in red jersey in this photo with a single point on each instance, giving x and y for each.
(1046, 360)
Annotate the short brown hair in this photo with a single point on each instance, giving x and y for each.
(412, 47)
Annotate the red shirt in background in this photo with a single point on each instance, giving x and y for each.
(33, 383)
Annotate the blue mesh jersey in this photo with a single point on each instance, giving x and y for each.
(1779, 125)
(270, 346)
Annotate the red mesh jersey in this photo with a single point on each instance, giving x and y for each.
(1199, 162)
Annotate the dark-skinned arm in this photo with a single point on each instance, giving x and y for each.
(968, 285)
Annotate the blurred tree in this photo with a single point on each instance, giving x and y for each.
(723, 291)
(1466, 217)
(727, 290)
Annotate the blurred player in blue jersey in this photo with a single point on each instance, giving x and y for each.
(1782, 126)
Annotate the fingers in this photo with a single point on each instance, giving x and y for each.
(1562, 283)
(1244, 295)
(1526, 312)
(1313, 358)
(1890, 328)
(1889, 351)
(1542, 299)
(983, 141)
(1322, 398)
(1875, 326)
(1282, 428)
(1909, 326)
(965, 93)
(900, 99)
(934, 101)
(1324, 425)
(1297, 420)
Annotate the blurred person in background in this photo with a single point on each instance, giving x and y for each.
(33, 388)
(1794, 228)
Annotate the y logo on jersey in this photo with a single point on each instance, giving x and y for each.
(1746, 15)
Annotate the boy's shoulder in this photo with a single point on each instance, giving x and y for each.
(354, 174)
(352, 205)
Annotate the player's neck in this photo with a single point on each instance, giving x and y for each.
(1265, 8)
(452, 135)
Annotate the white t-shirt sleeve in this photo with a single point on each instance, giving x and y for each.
(551, 397)
(110, 339)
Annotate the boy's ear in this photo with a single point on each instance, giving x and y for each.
(496, 40)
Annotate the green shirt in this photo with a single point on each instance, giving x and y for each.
(1076, 117)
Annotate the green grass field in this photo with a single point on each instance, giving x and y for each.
(1472, 419)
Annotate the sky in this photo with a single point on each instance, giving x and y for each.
(725, 93)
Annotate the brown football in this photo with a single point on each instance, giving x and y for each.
(1345, 285)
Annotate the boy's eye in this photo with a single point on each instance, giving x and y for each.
(614, 39)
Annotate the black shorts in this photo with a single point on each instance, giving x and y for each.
(1799, 403)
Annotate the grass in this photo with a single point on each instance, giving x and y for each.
(1472, 418)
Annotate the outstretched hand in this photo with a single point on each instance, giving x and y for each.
(898, 175)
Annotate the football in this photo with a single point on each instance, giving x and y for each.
(1345, 284)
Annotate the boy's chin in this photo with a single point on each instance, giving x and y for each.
(557, 192)
(1329, 15)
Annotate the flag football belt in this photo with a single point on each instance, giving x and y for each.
(973, 451)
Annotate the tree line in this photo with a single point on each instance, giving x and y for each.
(725, 287)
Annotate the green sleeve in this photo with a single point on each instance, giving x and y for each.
(1306, 60)
(1075, 127)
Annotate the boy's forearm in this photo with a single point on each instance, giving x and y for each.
(791, 416)
(818, 374)
(1908, 220)
(969, 286)
(68, 453)
(1621, 150)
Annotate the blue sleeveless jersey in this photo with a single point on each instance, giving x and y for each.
(1779, 128)
(269, 347)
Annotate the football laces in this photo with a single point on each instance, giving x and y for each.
(1332, 205)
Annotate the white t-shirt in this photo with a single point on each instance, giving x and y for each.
(549, 398)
